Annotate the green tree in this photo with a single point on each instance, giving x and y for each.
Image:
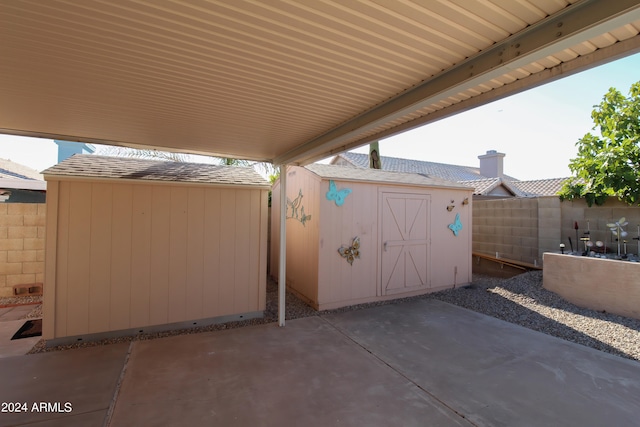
(609, 164)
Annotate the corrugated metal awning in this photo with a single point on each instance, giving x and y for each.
(286, 81)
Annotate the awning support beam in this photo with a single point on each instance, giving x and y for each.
(282, 272)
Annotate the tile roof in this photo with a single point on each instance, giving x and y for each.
(464, 175)
(540, 187)
(374, 175)
(93, 166)
(432, 169)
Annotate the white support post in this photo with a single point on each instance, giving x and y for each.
(282, 274)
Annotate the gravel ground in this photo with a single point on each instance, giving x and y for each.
(520, 300)
(20, 300)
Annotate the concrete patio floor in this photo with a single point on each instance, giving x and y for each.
(11, 319)
(417, 363)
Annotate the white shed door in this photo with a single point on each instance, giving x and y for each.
(405, 242)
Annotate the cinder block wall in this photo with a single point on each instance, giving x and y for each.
(597, 218)
(508, 227)
(21, 245)
(524, 229)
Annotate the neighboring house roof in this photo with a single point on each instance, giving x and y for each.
(488, 186)
(506, 186)
(92, 166)
(16, 176)
(432, 169)
(375, 175)
(540, 187)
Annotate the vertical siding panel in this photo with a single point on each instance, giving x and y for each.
(342, 290)
(319, 196)
(242, 247)
(100, 262)
(227, 250)
(160, 243)
(263, 198)
(51, 260)
(211, 248)
(253, 250)
(79, 258)
(255, 253)
(178, 254)
(120, 303)
(195, 257)
(62, 301)
(363, 275)
(141, 255)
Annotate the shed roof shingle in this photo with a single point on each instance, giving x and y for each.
(92, 166)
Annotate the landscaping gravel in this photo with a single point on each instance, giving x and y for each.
(520, 300)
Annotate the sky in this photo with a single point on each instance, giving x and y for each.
(536, 129)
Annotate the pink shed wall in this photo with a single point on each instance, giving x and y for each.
(316, 271)
(132, 255)
(302, 247)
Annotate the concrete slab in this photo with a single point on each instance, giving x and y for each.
(307, 374)
(15, 312)
(9, 347)
(85, 378)
(415, 363)
(495, 373)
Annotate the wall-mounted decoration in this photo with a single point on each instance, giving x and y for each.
(465, 201)
(352, 252)
(297, 210)
(337, 195)
(450, 207)
(456, 226)
(304, 217)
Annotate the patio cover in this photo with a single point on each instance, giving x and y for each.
(289, 82)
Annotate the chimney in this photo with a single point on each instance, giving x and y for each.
(491, 164)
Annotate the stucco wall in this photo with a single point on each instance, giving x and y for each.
(123, 255)
(21, 244)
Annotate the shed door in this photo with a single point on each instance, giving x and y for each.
(405, 242)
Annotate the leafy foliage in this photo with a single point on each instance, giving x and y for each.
(609, 164)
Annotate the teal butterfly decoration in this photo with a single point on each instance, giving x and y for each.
(352, 252)
(456, 226)
(337, 195)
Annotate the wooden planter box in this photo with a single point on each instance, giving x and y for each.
(595, 283)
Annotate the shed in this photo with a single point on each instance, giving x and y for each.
(361, 235)
(141, 245)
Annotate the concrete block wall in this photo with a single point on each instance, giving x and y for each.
(21, 245)
(549, 225)
(524, 229)
(597, 218)
(508, 227)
